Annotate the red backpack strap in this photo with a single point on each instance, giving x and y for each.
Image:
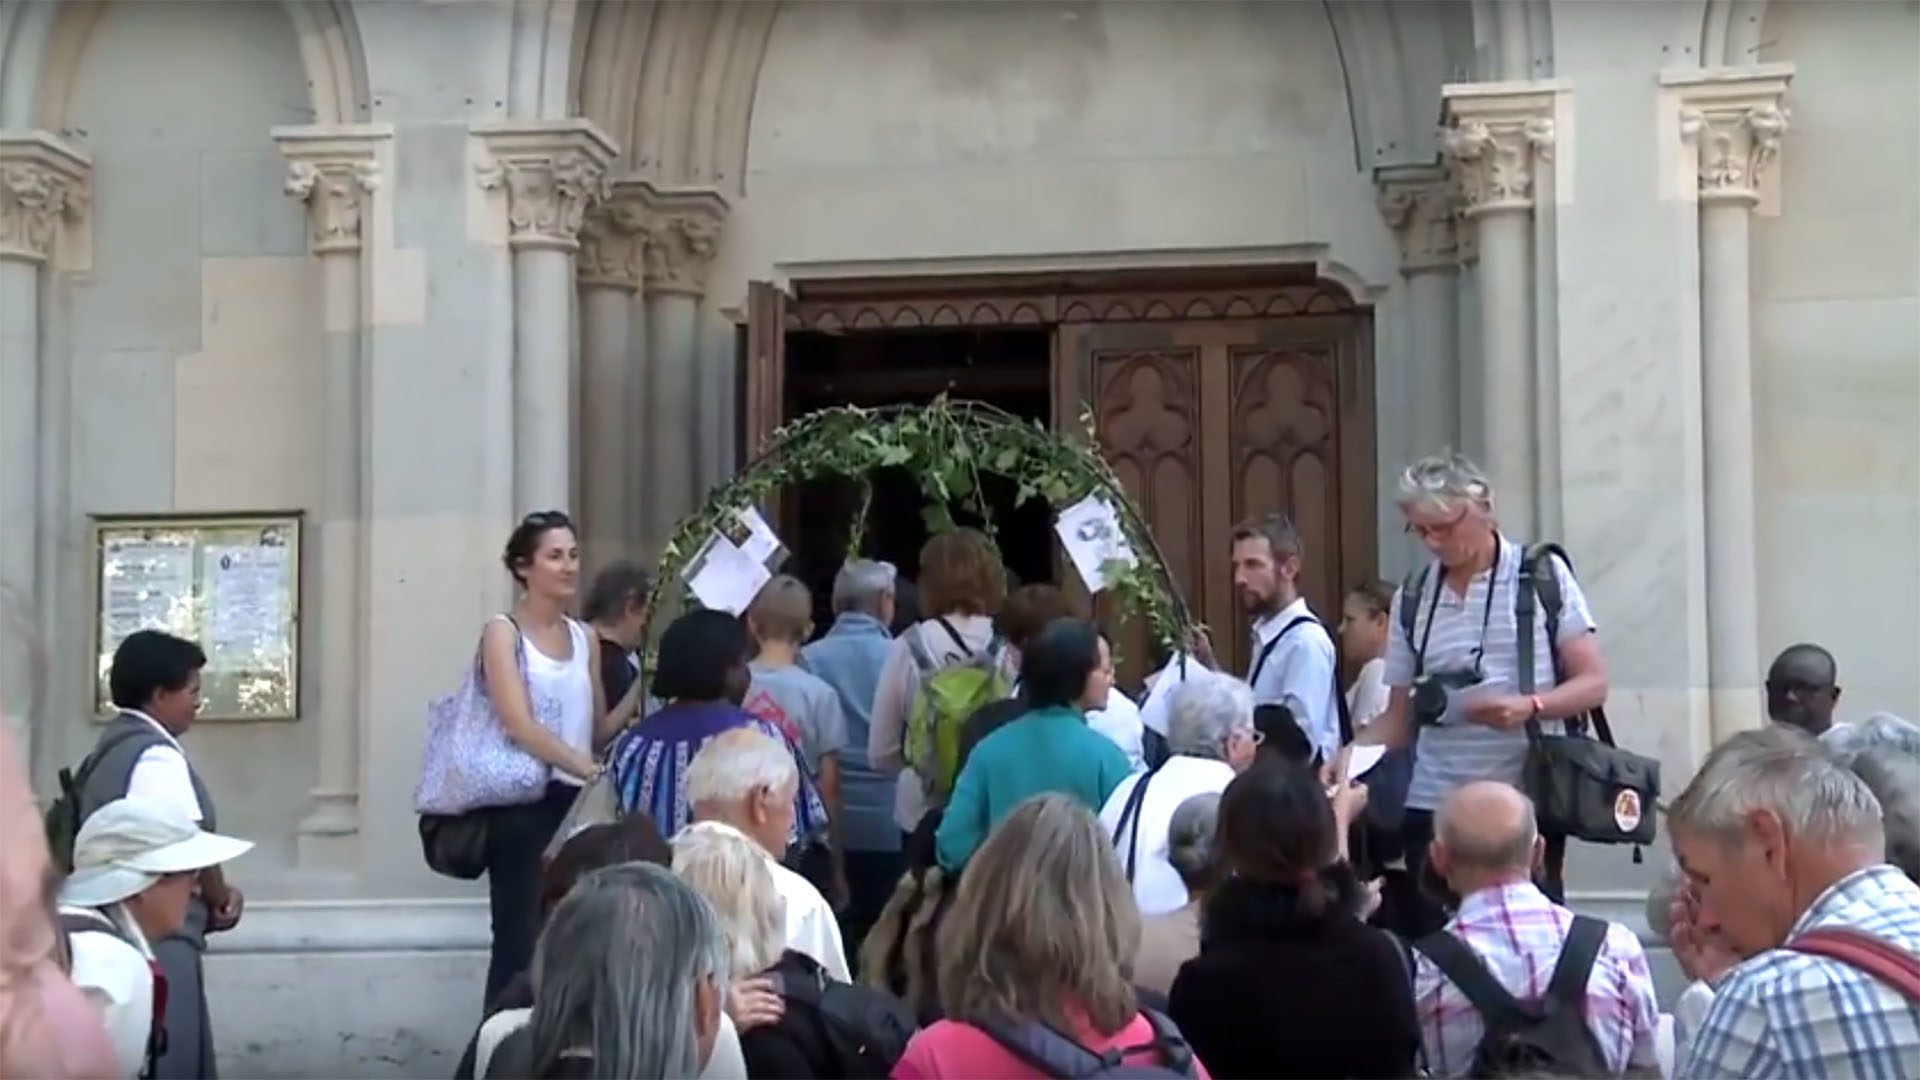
(1866, 953)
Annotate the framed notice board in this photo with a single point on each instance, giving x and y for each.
(230, 583)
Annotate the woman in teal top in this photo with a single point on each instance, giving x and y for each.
(1065, 670)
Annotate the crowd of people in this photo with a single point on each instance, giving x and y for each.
(935, 839)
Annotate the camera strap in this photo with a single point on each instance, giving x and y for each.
(1486, 612)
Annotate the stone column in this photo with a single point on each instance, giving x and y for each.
(610, 430)
(335, 171)
(1418, 204)
(551, 171)
(43, 193)
(1495, 133)
(683, 401)
(1733, 121)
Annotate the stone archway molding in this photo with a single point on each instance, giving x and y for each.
(42, 42)
(947, 446)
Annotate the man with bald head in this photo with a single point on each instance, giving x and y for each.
(1506, 942)
(1803, 688)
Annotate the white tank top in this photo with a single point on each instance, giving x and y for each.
(562, 693)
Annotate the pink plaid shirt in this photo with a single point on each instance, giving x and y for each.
(1517, 932)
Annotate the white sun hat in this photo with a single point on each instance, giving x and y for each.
(127, 845)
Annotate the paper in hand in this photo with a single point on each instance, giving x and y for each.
(1362, 761)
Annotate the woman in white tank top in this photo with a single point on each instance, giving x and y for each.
(553, 711)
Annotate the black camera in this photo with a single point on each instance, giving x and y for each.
(1432, 691)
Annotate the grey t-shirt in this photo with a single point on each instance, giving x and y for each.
(801, 704)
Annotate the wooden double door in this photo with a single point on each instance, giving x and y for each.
(1214, 403)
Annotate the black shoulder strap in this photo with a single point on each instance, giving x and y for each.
(1339, 693)
(91, 922)
(1403, 949)
(1540, 585)
(1129, 817)
(1466, 971)
(1577, 956)
(1260, 664)
(1045, 1049)
(1175, 1053)
(1412, 589)
(959, 642)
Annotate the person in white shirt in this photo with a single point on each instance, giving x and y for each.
(1363, 641)
(135, 863)
(1294, 664)
(747, 779)
(1210, 740)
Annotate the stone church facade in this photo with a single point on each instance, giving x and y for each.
(413, 268)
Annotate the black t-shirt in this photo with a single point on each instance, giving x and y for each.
(616, 671)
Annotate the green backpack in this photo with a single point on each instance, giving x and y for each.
(949, 695)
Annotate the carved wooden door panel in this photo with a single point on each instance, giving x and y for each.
(1208, 423)
(763, 377)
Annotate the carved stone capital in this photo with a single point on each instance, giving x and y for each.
(334, 169)
(1493, 135)
(1420, 205)
(682, 234)
(1733, 121)
(551, 172)
(613, 239)
(43, 186)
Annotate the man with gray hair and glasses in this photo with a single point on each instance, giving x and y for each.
(849, 657)
(1453, 659)
(1784, 852)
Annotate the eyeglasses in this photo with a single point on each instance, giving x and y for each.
(1435, 532)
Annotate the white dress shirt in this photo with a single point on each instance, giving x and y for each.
(811, 926)
(1157, 887)
(161, 774)
(116, 977)
(1300, 673)
(1120, 722)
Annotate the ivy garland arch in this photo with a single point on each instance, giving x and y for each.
(946, 446)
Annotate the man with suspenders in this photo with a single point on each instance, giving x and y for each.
(1295, 669)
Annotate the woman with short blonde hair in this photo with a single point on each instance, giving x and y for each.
(727, 868)
(1036, 955)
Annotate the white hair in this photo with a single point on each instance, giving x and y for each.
(1442, 482)
(861, 583)
(1784, 771)
(727, 868)
(1884, 752)
(1190, 838)
(1204, 711)
(736, 763)
(617, 971)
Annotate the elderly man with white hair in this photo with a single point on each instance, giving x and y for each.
(1784, 851)
(135, 862)
(1211, 738)
(740, 778)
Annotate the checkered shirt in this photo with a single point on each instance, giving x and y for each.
(1784, 1013)
(1518, 933)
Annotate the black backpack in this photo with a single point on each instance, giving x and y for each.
(865, 1029)
(62, 820)
(1060, 1056)
(1548, 1037)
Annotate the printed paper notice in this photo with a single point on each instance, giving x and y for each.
(725, 578)
(146, 585)
(756, 539)
(1362, 760)
(1090, 531)
(247, 605)
(1160, 687)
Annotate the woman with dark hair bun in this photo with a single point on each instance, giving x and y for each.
(542, 676)
(1290, 981)
(701, 675)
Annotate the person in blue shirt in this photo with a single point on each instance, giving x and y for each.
(1064, 671)
(848, 658)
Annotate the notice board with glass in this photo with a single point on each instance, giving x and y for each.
(230, 583)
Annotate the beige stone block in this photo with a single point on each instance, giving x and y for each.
(398, 287)
(246, 406)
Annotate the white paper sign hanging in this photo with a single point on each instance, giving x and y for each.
(1090, 531)
(725, 578)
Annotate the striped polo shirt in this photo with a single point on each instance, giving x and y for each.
(1457, 751)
